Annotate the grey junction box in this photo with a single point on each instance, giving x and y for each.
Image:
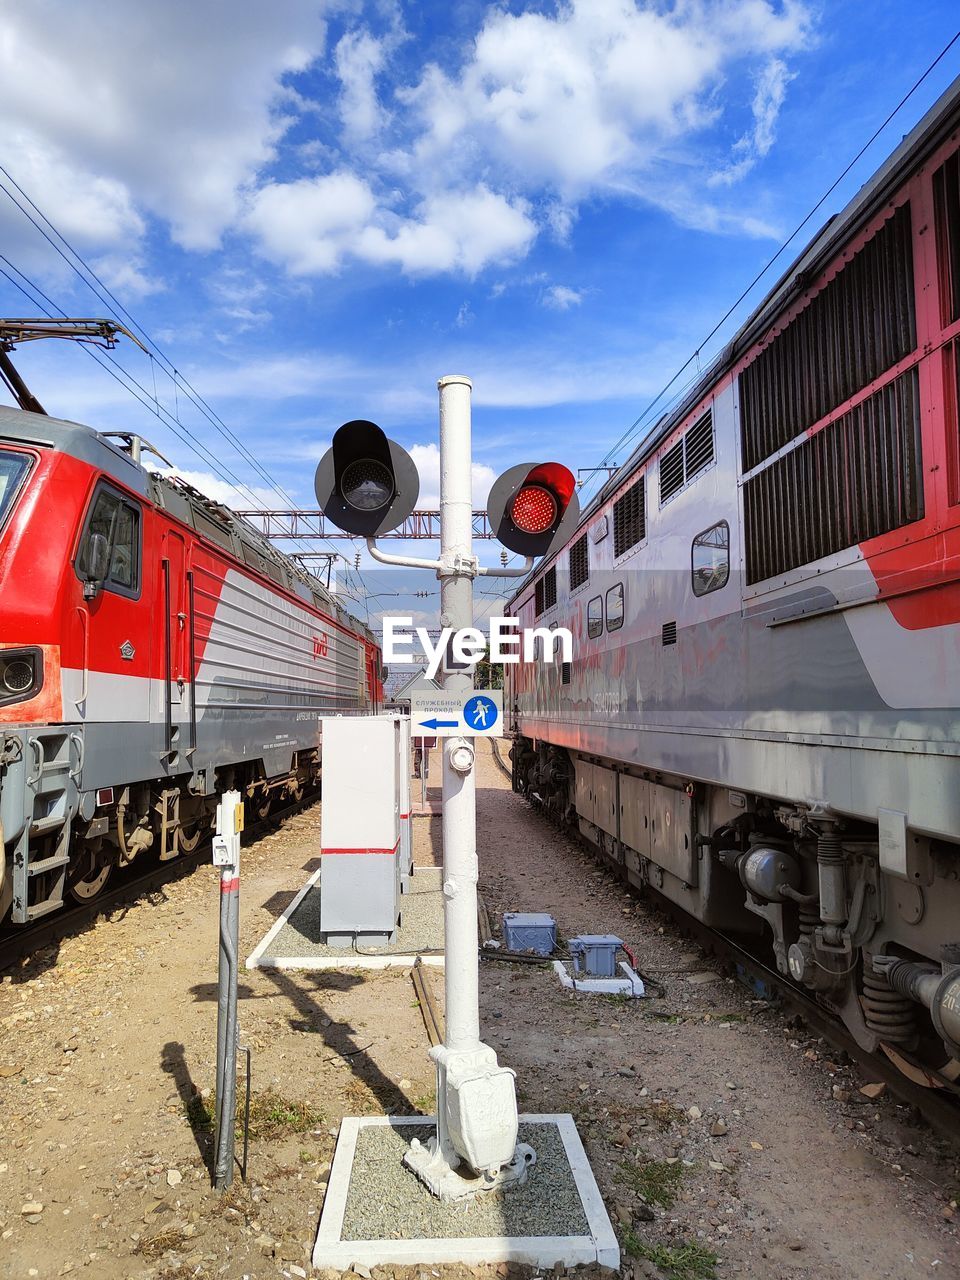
(360, 859)
(530, 931)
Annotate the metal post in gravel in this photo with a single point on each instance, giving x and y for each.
(226, 856)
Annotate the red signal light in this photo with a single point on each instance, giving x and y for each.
(534, 509)
(532, 505)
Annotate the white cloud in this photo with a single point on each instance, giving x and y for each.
(559, 297)
(126, 274)
(309, 225)
(313, 224)
(427, 458)
(580, 100)
(461, 231)
(118, 114)
(560, 219)
(359, 58)
(754, 145)
(545, 111)
(114, 111)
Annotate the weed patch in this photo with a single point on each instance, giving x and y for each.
(684, 1262)
(655, 1180)
(274, 1116)
(156, 1245)
(664, 1114)
(271, 1114)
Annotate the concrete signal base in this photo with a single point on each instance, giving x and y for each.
(376, 1212)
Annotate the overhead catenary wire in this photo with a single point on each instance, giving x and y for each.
(695, 355)
(119, 373)
(39, 299)
(92, 280)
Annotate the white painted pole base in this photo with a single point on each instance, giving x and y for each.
(427, 1161)
(476, 1145)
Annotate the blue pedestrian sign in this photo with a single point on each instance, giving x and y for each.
(480, 712)
(450, 715)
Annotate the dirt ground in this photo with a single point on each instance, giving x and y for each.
(726, 1142)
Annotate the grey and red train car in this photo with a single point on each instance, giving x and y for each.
(154, 650)
(762, 716)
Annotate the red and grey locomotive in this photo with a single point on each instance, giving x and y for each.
(154, 650)
(761, 720)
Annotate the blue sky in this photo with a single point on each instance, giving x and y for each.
(317, 209)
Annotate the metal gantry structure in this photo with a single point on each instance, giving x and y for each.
(310, 523)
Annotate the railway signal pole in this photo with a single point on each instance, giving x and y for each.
(476, 1097)
(367, 485)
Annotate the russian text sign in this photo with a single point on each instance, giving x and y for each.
(471, 713)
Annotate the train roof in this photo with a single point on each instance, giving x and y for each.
(942, 118)
(209, 519)
(76, 439)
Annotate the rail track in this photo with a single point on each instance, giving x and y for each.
(126, 888)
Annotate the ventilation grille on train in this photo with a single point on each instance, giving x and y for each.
(946, 195)
(682, 461)
(860, 324)
(668, 633)
(545, 592)
(630, 518)
(579, 563)
(859, 477)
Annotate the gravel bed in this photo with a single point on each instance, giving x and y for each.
(388, 1202)
(421, 927)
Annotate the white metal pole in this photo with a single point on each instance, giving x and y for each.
(476, 1099)
(461, 972)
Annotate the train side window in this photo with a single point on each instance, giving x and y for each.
(595, 617)
(116, 519)
(615, 607)
(710, 559)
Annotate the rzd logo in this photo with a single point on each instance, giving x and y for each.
(320, 646)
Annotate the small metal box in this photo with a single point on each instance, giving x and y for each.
(595, 954)
(529, 931)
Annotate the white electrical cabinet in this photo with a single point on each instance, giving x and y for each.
(406, 817)
(360, 829)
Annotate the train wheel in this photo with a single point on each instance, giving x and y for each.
(89, 872)
(263, 804)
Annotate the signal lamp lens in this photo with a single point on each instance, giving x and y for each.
(534, 509)
(367, 485)
(17, 676)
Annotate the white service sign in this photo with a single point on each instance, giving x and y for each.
(471, 713)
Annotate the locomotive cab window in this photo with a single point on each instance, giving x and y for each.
(615, 607)
(710, 559)
(111, 544)
(595, 617)
(13, 470)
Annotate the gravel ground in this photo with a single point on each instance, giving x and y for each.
(784, 1170)
(421, 924)
(386, 1200)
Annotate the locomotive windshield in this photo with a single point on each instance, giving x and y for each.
(13, 467)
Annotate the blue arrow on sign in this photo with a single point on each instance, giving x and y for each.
(439, 724)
